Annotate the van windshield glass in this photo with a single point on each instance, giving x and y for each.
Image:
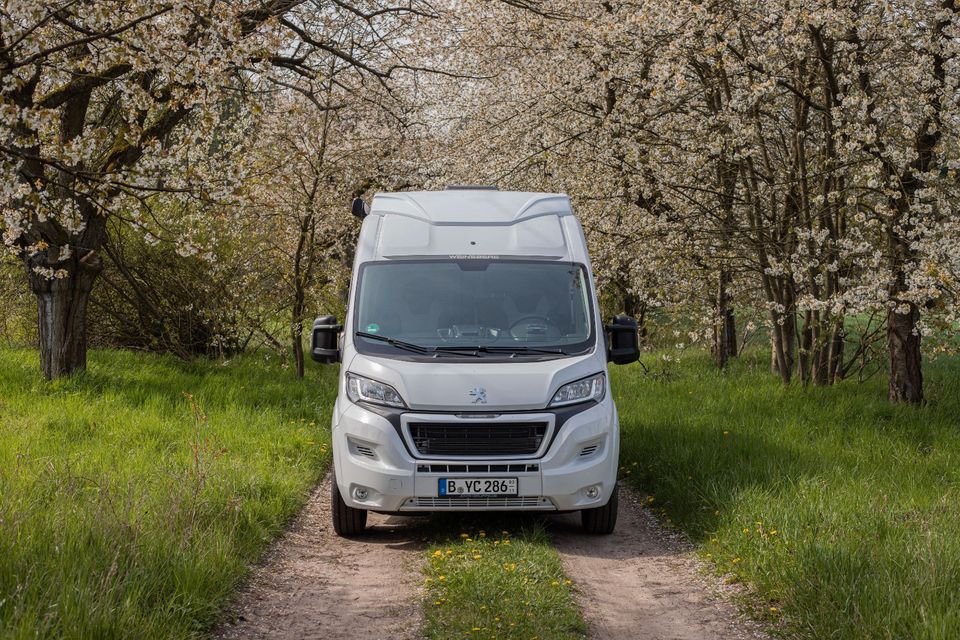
(489, 306)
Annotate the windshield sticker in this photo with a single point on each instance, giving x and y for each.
(454, 256)
(373, 327)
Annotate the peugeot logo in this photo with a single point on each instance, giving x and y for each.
(479, 395)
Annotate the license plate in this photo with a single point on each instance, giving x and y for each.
(477, 487)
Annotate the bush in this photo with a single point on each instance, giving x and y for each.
(18, 324)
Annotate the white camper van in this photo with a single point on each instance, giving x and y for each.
(474, 362)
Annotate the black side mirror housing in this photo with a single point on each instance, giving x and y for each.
(623, 344)
(324, 340)
(359, 208)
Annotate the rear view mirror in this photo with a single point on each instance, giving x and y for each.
(323, 341)
(623, 344)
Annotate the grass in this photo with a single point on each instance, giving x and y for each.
(133, 497)
(498, 585)
(839, 511)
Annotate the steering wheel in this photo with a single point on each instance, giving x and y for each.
(528, 320)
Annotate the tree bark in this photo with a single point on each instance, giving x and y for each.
(725, 324)
(296, 339)
(62, 314)
(903, 343)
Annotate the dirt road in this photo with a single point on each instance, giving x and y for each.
(315, 585)
(641, 582)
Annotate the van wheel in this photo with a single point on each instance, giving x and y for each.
(601, 520)
(347, 521)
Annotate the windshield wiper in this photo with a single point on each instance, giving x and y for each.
(522, 348)
(494, 349)
(400, 344)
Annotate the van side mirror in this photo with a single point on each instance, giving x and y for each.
(359, 208)
(323, 341)
(623, 344)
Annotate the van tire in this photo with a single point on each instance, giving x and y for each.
(347, 521)
(601, 520)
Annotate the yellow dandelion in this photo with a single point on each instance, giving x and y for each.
(465, 535)
(438, 554)
(442, 578)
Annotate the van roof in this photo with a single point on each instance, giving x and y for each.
(471, 206)
(472, 222)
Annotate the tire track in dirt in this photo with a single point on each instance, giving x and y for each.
(641, 582)
(315, 584)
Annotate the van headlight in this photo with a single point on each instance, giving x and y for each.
(591, 388)
(360, 389)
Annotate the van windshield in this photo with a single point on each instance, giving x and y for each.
(474, 306)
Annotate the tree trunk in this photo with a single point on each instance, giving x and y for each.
(62, 314)
(784, 341)
(296, 329)
(296, 335)
(725, 324)
(903, 342)
(837, 341)
(804, 366)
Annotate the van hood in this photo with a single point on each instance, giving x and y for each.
(506, 386)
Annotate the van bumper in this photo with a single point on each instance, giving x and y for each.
(375, 469)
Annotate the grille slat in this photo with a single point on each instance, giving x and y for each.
(484, 439)
(478, 468)
(477, 502)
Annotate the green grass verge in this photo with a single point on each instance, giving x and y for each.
(129, 509)
(498, 584)
(840, 511)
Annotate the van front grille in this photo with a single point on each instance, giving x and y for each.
(480, 502)
(478, 468)
(490, 439)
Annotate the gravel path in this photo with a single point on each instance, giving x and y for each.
(642, 582)
(314, 584)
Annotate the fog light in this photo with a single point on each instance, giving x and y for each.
(593, 492)
(360, 493)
